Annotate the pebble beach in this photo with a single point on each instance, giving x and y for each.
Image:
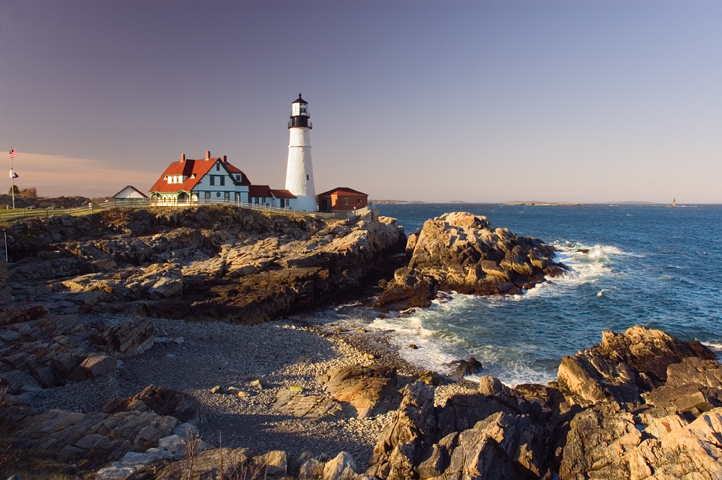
(259, 361)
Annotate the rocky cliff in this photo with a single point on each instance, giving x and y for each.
(465, 253)
(218, 261)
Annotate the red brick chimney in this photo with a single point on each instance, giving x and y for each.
(183, 157)
(208, 154)
(225, 159)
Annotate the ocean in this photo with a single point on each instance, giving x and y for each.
(656, 266)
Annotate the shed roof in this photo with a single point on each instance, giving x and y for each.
(342, 191)
(130, 186)
(282, 194)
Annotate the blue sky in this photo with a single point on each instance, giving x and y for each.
(485, 101)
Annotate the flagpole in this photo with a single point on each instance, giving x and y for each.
(12, 175)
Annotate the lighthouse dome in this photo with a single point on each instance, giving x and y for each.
(299, 114)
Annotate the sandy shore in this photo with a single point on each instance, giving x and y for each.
(193, 357)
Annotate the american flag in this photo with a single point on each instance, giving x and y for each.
(13, 153)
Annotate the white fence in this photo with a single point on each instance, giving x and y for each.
(11, 215)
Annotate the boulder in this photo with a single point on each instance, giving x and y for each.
(371, 390)
(464, 253)
(313, 407)
(340, 467)
(467, 367)
(162, 401)
(93, 366)
(126, 339)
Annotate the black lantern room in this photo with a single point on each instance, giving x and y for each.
(299, 114)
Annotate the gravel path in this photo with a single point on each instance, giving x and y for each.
(193, 357)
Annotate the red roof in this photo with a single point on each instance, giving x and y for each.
(187, 169)
(282, 194)
(259, 191)
(342, 191)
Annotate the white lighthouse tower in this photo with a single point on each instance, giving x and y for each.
(299, 173)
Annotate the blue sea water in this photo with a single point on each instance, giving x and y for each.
(651, 265)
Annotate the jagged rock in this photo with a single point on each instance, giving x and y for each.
(371, 390)
(410, 432)
(315, 407)
(341, 467)
(95, 436)
(465, 253)
(11, 316)
(598, 440)
(162, 401)
(127, 339)
(471, 436)
(115, 473)
(275, 465)
(624, 365)
(467, 367)
(311, 469)
(207, 465)
(93, 366)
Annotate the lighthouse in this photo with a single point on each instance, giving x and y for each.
(299, 172)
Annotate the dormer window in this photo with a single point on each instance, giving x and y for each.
(238, 178)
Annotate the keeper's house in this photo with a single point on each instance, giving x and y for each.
(209, 180)
(341, 199)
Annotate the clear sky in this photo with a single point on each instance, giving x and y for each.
(479, 101)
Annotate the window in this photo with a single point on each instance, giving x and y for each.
(306, 177)
(227, 195)
(345, 201)
(283, 202)
(358, 201)
(213, 179)
(223, 181)
(218, 167)
(208, 194)
(238, 178)
(218, 194)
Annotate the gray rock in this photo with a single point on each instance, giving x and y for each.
(342, 466)
(115, 473)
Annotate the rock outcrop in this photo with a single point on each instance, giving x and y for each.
(465, 253)
(642, 405)
(213, 261)
(39, 350)
(370, 390)
(625, 365)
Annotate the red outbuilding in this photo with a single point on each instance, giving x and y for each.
(341, 199)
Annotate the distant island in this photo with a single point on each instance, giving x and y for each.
(393, 202)
(546, 204)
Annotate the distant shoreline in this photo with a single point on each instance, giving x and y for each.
(546, 204)
(522, 203)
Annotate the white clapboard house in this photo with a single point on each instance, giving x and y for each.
(212, 180)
